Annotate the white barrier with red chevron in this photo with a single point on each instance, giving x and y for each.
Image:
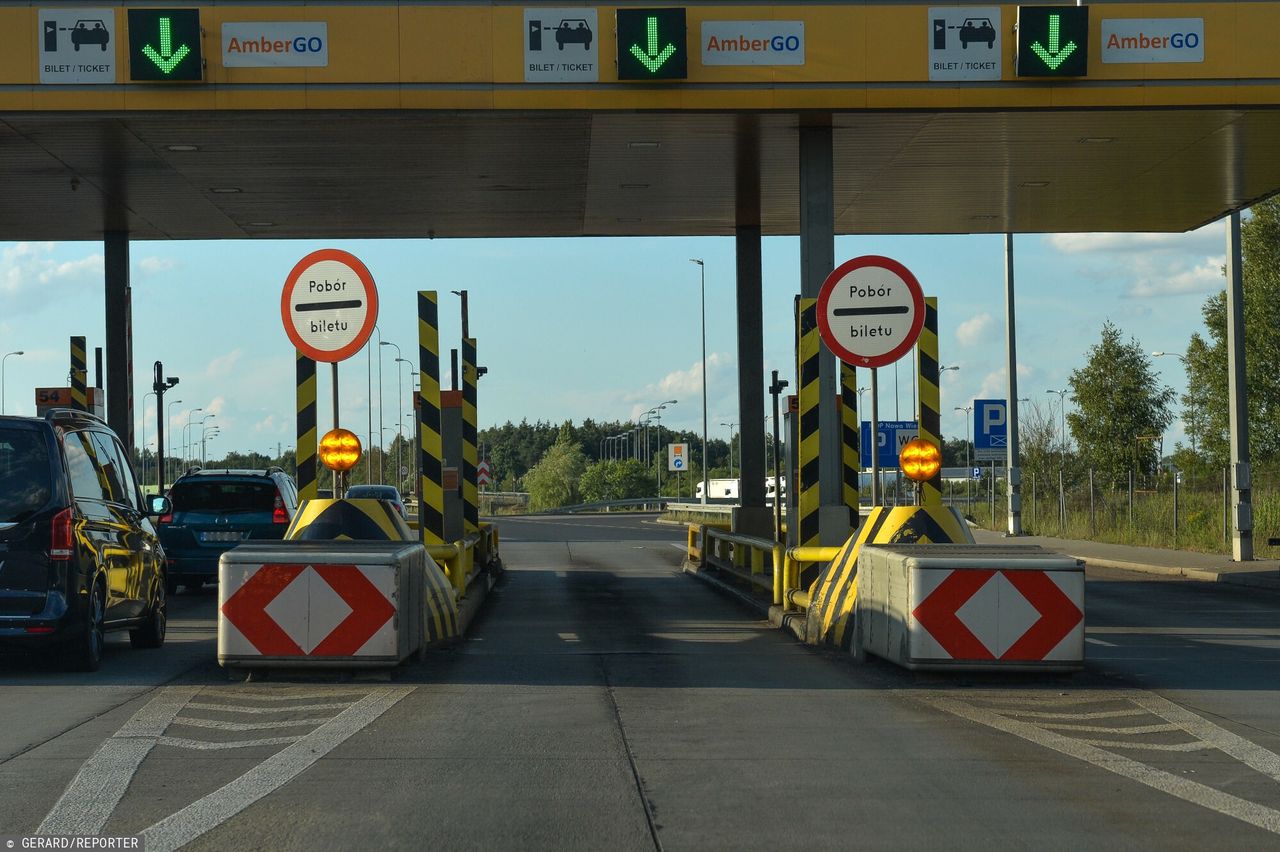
(321, 603)
(971, 607)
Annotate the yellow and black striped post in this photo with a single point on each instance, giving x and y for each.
(930, 396)
(79, 374)
(850, 437)
(470, 437)
(430, 442)
(808, 503)
(307, 440)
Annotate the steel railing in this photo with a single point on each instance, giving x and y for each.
(745, 557)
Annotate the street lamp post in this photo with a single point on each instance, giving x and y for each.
(968, 461)
(732, 427)
(1062, 408)
(399, 413)
(203, 421)
(381, 452)
(702, 267)
(144, 434)
(18, 352)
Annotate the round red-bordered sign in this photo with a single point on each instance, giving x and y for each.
(329, 305)
(870, 311)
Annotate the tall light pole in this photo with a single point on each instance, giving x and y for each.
(968, 462)
(702, 267)
(186, 430)
(399, 395)
(144, 434)
(2, 360)
(732, 428)
(203, 421)
(205, 437)
(1062, 408)
(382, 456)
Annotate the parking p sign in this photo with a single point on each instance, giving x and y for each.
(677, 456)
(990, 429)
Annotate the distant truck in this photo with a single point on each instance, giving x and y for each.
(722, 490)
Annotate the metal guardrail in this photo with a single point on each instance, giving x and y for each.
(461, 557)
(744, 557)
(657, 504)
(703, 508)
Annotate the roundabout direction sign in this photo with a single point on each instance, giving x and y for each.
(329, 305)
(870, 311)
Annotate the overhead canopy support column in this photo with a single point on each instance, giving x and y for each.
(1238, 401)
(817, 259)
(119, 298)
(752, 518)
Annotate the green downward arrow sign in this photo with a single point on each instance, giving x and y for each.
(1056, 54)
(166, 58)
(652, 59)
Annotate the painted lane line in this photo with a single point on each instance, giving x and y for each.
(1250, 754)
(1182, 788)
(1101, 729)
(1102, 714)
(221, 725)
(1134, 745)
(93, 794)
(230, 708)
(205, 745)
(241, 695)
(276, 771)
(1093, 641)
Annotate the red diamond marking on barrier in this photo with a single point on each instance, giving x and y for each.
(937, 614)
(1058, 615)
(246, 609)
(369, 611)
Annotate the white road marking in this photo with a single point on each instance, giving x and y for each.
(1092, 641)
(1103, 714)
(274, 772)
(1093, 752)
(101, 782)
(205, 745)
(1101, 729)
(1254, 756)
(223, 725)
(279, 695)
(231, 708)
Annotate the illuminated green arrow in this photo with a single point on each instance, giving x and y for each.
(1053, 57)
(166, 59)
(652, 59)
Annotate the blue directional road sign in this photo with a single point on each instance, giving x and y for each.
(893, 434)
(990, 429)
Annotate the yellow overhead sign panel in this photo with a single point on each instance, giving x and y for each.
(757, 57)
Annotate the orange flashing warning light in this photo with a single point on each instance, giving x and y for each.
(339, 450)
(920, 460)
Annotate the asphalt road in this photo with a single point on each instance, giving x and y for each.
(603, 700)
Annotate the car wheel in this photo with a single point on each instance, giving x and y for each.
(991, 44)
(151, 633)
(85, 654)
(76, 45)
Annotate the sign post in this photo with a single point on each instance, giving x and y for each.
(329, 307)
(870, 312)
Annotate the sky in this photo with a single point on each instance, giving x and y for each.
(583, 328)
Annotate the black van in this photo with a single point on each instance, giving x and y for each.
(78, 552)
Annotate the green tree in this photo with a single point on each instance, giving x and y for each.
(554, 480)
(1118, 398)
(615, 480)
(1205, 402)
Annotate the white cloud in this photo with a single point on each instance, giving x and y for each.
(267, 424)
(1201, 239)
(156, 265)
(1177, 279)
(32, 277)
(996, 383)
(974, 329)
(224, 365)
(685, 386)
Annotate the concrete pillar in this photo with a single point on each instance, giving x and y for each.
(751, 366)
(1238, 401)
(817, 259)
(119, 297)
(1013, 472)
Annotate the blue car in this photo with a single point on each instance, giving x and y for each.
(215, 510)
